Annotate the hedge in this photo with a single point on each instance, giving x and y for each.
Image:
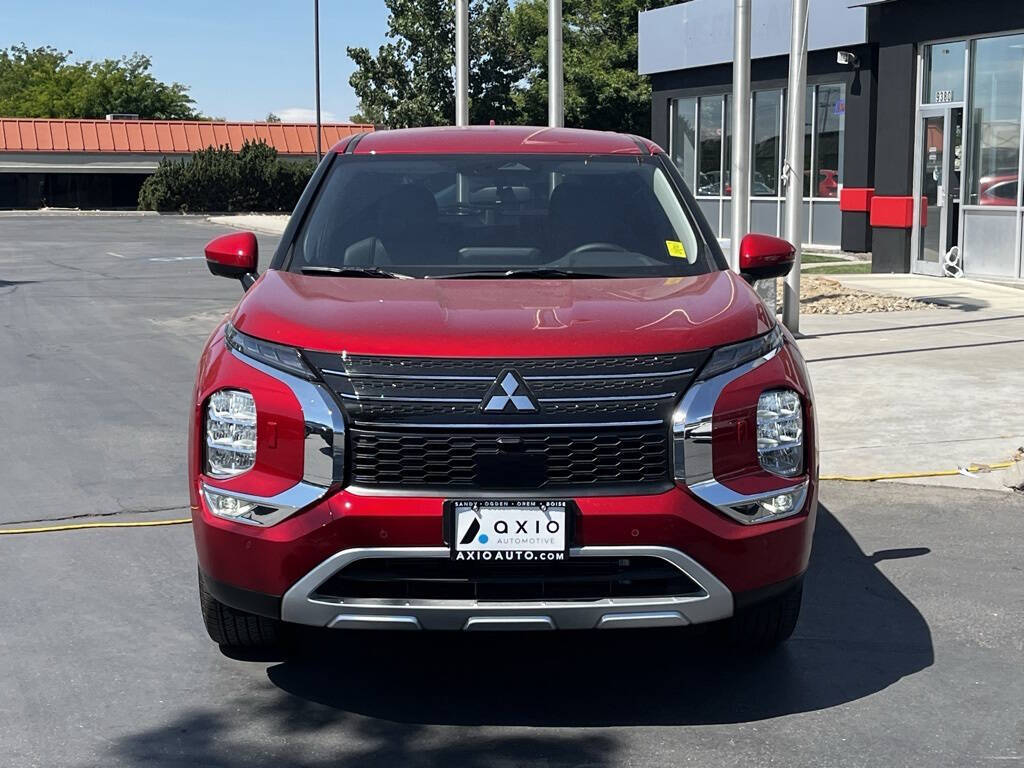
(217, 179)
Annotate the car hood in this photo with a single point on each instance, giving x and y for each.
(501, 318)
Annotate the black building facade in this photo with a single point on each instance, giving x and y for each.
(913, 134)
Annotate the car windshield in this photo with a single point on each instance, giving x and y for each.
(500, 216)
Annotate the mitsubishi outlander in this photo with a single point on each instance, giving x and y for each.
(500, 378)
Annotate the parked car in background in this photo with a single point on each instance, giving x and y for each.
(1001, 189)
(500, 378)
(711, 185)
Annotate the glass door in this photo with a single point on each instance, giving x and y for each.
(939, 163)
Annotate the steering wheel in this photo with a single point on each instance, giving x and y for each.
(592, 247)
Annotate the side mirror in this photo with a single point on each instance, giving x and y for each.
(763, 257)
(235, 255)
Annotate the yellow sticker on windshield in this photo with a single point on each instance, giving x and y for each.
(675, 248)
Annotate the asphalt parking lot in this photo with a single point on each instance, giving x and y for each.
(910, 649)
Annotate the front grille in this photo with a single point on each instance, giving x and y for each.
(362, 365)
(394, 414)
(525, 460)
(580, 578)
(593, 421)
(443, 391)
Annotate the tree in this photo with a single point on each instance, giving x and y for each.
(410, 82)
(497, 65)
(272, 118)
(44, 82)
(602, 87)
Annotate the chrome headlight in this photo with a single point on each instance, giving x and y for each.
(780, 432)
(230, 433)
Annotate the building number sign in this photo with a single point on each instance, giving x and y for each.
(943, 97)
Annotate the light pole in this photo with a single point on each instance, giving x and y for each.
(462, 62)
(740, 171)
(556, 93)
(316, 60)
(794, 165)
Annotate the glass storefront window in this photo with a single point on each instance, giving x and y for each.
(995, 121)
(702, 149)
(701, 125)
(944, 73)
(684, 137)
(709, 160)
(767, 155)
(830, 127)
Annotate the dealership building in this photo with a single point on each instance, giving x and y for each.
(102, 163)
(913, 124)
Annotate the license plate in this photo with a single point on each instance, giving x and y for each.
(517, 531)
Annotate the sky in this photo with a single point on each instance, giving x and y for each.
(241, 60)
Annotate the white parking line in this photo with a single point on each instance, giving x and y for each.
(175, 258)
(118, 255)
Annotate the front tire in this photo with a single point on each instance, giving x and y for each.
(234, 629)
(767, 624)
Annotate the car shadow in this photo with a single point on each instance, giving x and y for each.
(857, 635)
(366, 699)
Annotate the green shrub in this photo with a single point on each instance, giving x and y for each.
(217, 179)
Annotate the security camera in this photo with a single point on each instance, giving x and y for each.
(847, 58)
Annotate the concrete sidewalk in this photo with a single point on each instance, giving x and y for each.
(924, 390)
(265, 223)
(962, 294)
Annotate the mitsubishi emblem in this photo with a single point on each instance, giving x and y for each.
(509, 394)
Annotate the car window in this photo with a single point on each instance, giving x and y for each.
(441, 216)
(1005, 191)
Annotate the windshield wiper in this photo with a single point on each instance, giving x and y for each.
(538, 272)
(354, 272)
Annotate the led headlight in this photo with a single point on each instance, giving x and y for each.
(726, 358)
(780, 432)
(275, 355)
(230, 433)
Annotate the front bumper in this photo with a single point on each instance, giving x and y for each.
(276, 570)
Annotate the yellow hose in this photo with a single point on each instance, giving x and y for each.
(82, 526)
(973, 468)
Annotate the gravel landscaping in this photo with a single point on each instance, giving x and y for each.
(821, 296)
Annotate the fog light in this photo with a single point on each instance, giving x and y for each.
(228, 506)
(230, 433)
(778, 505)
(780, 432)
(260, 510)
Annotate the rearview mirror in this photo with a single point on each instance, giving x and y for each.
(763, 257)
(235, 255)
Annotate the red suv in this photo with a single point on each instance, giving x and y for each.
(500, 378)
